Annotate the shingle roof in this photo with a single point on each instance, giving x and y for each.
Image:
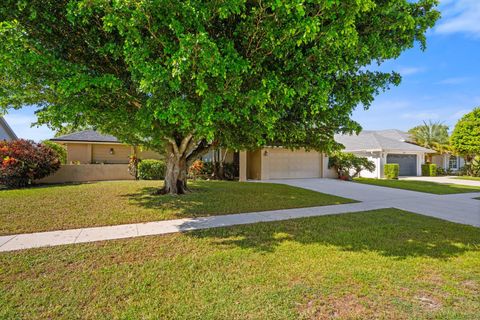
(87, 136)
(383, 140)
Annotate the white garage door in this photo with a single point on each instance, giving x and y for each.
(284, 164)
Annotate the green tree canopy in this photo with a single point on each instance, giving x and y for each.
(433, 135)
(465, 138)
(183, 76)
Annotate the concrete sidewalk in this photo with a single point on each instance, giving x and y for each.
(460, 208)
(83, 235)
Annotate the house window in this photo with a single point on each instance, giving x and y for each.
(453, 162)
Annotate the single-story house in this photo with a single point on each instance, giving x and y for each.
(91, 147)
(386, 146)
(381, 147)
(6, 133)
(448, 161)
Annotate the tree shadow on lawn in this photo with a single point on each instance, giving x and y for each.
(389, 232)
(190, 205)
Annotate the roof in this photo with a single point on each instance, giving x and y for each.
(86, 136)
(379, 141)
(7, 129)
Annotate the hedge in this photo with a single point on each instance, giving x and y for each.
(429, 170)
(391, 170)
(150, 169)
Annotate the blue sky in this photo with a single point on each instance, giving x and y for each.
(440, 84)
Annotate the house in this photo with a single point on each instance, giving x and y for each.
(448, 161)
(386, 146)
(381, 147)
(92, 147)
(6, 133)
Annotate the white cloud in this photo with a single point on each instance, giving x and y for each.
(407, 71)
(421, 115)
(454, 80)
(459, 16)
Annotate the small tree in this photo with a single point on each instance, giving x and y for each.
(465, 138)
(349, 165)
(24, 161)
(59, 149)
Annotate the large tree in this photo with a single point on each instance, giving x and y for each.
(433, 135)
(183, 76)
(465, 138)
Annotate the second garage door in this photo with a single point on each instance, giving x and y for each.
(284, 164)
(407, 162)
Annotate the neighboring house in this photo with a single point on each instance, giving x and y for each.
(448, 161)
(90, 147)
(381, 147)
(6, 133)
(386, 146)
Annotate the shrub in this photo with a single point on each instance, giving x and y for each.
(59, 149)
(24, 161)
(349, 165)
(429, 170)
(471, 168)
(442, 172)
(150, 169)
(391, 170)
(196, 169)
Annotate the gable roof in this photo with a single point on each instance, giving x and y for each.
(379, 141)
(8, 131)
(86, 136)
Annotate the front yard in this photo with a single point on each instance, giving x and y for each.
(379, 264)
(109, 203)
(420, 186)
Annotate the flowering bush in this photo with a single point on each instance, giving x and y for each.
(196, 169)
(23, 161)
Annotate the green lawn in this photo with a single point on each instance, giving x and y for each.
(385, 264)
(467, 178)
(110, 203)
(421, 186)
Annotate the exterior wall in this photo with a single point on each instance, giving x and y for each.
(3, 134)
(110, 153)
(376, 158)
(79, 152)
(89, 172)
(326, 172)
(254, 165)
(6, 133)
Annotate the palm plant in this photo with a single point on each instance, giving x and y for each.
(432, 135)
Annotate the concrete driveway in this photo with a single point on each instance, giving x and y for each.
(447, 180)
(460, 208)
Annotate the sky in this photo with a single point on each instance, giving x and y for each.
(439, 84)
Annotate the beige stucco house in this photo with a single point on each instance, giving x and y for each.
(381, 147)
(91, 147)
(6, 133)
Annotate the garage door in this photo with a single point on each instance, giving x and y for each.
(407, 162)
(284, 164)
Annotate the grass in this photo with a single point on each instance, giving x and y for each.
(420, 186)
(385, 264)
(467, 178)
(109, 203)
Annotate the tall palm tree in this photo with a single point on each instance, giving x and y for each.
(432, 135)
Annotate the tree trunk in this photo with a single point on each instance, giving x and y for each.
(179, 156)
(175, 175)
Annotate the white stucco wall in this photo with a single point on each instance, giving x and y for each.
(3, 134)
